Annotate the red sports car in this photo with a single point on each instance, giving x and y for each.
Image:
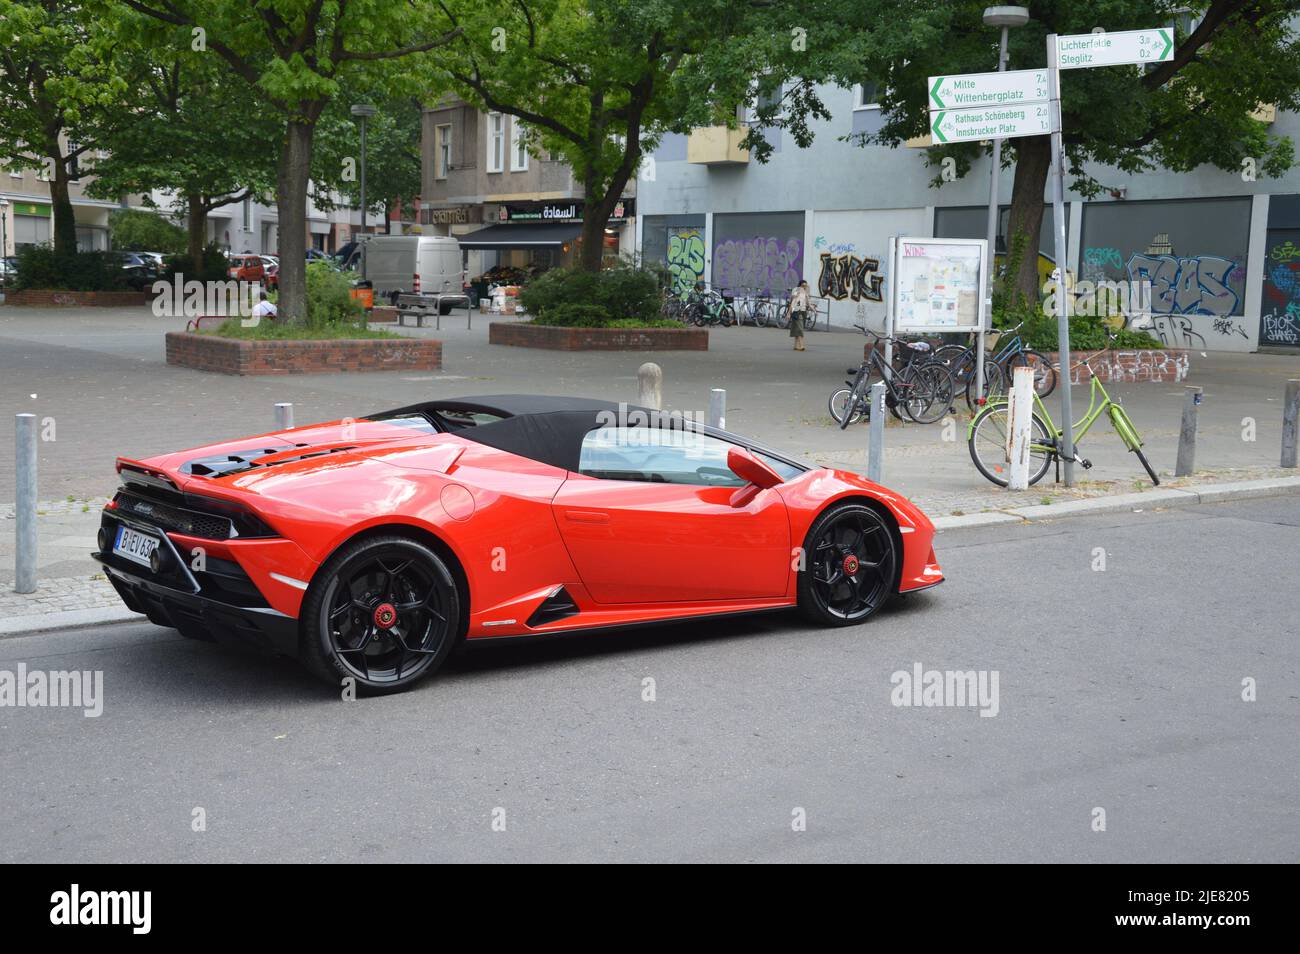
(369, 547)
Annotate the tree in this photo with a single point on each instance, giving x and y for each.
(59, 86)
(135, 230)
(190, 131)
(1192, 110)
(599, 82)
(392, 152)
(293, 54)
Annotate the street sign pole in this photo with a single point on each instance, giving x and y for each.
(1058, 227)
(992, 236)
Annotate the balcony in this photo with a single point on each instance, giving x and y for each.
(717, 146)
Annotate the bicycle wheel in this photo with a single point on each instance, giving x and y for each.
(929, 392)
(839, 402)
(987, 442)
(856, 394)
(995, 386)
(1044, 371)
(727, 315)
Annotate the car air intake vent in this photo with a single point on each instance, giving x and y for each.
(226, 463)
(559, 605)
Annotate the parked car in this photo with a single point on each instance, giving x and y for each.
(369, 547)
(247, 268)
(415, 265)
(8, 269)
(141, 271)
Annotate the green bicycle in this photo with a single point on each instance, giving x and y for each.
(987, 437)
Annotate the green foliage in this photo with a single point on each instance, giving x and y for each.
(329, 298)
(392, 151)
(575, 315)
(1039, 331)
(285, 331)
(572, 296)
(135, 230)
(212, 267)
(40, 266)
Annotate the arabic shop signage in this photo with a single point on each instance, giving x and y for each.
(559, 211)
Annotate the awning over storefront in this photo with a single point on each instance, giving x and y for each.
(541, 235)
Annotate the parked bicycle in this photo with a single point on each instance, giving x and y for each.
(709, 307)
(998, 368)
(987, 435)
(921, 387)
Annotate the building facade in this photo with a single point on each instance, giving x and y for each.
(1221, 249)
(512, 210)
(27, 215)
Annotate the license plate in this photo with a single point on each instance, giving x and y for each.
(134, 545)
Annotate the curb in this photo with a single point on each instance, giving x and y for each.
(66, 619)
(1211, 493)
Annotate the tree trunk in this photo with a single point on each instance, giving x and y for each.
(197, 229)
(291, 205)
(596, 210)
(1033, 158)
(65, 219)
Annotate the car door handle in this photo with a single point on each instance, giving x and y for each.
(587, 516)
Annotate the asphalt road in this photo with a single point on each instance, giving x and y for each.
(1119, 689)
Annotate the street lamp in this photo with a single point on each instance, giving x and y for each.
(1004, 17)
(363, 112)
(4, 238)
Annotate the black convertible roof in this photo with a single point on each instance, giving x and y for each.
(551, 429)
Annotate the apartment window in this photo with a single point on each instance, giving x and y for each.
(866, 96)
(442, 163)
(74, 162)
(518, 148)
(770, 99)
(496, 142)
(248, 215)
(15, 173)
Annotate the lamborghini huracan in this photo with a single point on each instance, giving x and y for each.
(370, 547)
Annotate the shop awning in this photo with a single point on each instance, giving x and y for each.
(540, 235)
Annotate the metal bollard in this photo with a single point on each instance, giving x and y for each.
(25, 504)
(876, 449)
(1021, 404)
(718, 408)
(283, 416)
(1187, 436)
(650, 386)
(1290, 419)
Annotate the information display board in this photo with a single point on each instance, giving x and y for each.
(938, 285)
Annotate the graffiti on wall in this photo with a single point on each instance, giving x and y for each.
(768, 265)
(848, 276)
(1280, 318)
(685, 258)
(1195, 285)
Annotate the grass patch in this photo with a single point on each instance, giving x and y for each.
(284, 331)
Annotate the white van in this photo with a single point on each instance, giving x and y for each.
(425, 265)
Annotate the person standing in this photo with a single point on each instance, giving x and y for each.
(800, 302)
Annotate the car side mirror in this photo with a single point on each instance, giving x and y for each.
(759, 475)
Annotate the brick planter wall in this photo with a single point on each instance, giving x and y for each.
(1156, 365)
(528, 335)
(57, 298)
(242, 356)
